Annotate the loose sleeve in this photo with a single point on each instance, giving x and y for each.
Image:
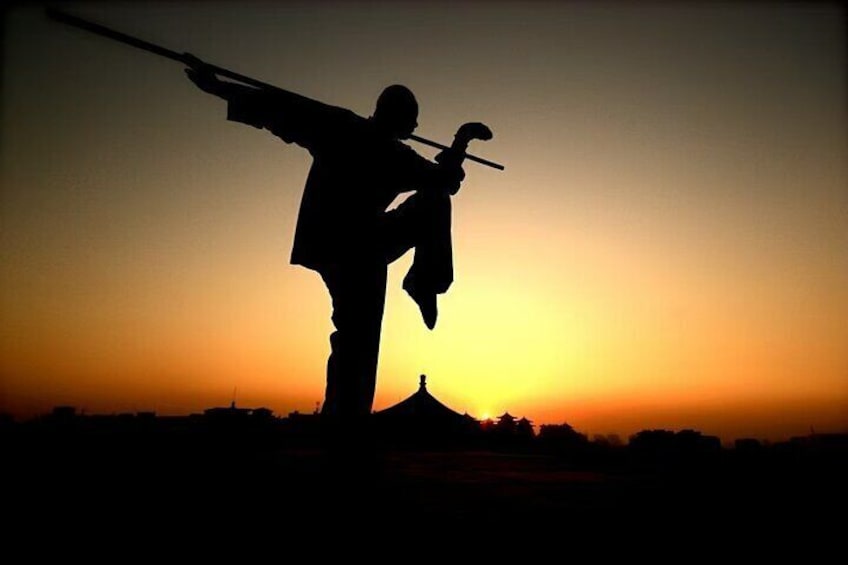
(291, 117)
(247, 106)
(422, 174)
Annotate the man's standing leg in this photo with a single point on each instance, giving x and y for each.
(358, 292)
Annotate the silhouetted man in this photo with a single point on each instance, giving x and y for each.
(343, 229)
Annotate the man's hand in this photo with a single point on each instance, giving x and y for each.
(451, 159)
(472, 130)
(201, 74)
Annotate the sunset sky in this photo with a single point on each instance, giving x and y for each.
(667, 247)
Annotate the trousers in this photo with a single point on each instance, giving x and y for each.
(357, 287)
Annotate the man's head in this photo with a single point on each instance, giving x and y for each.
(397, 111)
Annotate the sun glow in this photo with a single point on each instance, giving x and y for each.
(665, 247)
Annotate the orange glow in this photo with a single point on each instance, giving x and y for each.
(666, 248)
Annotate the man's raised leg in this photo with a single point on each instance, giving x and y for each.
(423, 221)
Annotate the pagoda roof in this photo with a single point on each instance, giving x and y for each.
(421, 405)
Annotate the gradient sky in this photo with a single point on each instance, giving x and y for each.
(668, 246)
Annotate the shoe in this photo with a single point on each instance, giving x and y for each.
(426, 303)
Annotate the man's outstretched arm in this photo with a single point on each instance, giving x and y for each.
(245, 104)
(291, 117)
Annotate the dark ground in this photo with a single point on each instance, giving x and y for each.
(176, 486)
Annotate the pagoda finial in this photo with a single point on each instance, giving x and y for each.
(423, 383)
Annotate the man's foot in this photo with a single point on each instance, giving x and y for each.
(426, 303)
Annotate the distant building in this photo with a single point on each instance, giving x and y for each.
(748, 445)
(64, 418)
(234, 416)
(524, 428)
(561, 437)
(63, 413)
(262, 413)
(508, 432)
(506, 423)
(820, 442)
(663, 443)
(230, 413)
(422, 420)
